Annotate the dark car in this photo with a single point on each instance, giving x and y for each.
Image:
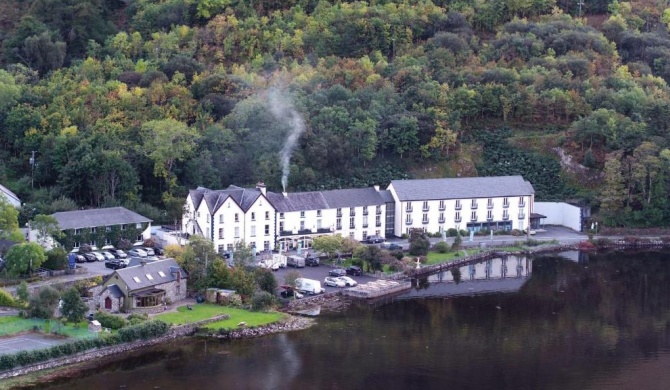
(374, 239)
(90, 257)
(354, 270)
(159, 252)
(337, 272)
(312, 261)
(392, 247)
(119, 254)
(115, 264)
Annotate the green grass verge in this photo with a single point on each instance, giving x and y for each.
(251, 318)
(14, 324)
(201, 311)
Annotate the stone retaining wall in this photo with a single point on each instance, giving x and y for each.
(293, 323)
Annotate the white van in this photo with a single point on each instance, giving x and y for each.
(309, 286)
(296, 261)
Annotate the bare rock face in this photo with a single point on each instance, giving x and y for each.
(582, 173)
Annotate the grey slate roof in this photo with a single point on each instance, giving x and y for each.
(244, 197)
(297, 201)
(97, 217)
(387, 196)
(353, 197)
(9, 194)
(168, 267)
(462, 188)
(115, 291)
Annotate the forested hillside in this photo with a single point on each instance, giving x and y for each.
(133, 102)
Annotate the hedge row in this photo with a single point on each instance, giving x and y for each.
(143, 331)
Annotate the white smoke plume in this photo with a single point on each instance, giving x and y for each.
(282, 109)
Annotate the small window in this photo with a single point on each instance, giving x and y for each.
(77, 231)
(237, 217)
(108, 228)
(281, 215)
(220, 218)
(267, 215)
(302, 214)
(318, 213)
(253, 216)
(92, 230)
(149, 277)
(123, 227)
(136, 279)
(139, 225)
(161, 274)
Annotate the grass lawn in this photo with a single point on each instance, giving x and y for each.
(436, 257)
(201, 311)
(14, 324)
(251, 318)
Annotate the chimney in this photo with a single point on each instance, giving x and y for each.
(377, 188)
(261, 186)
(285, 194)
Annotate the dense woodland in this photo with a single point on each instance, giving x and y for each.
(133, 102)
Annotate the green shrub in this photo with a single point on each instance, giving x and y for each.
(452, 232)
(7, 362)
(135, 319)
(6, 299)
(441, 247)
(532, 242)
(262, 301)
(110, 321)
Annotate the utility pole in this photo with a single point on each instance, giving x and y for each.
(580, 4)
(32, 169)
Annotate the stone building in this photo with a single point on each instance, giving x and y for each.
(143, 287)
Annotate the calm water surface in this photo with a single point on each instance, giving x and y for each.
(556, 322)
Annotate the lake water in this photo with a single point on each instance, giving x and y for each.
(558, 322)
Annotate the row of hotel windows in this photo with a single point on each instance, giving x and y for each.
(252, 244)
(266, 231)
(473, 204)
(457, 218)
(107, 228)
(352, 212)
(107, 242)
(237, 217)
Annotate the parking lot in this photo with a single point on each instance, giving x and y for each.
(28, 342)
(316, 273)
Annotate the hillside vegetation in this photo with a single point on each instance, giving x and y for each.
(133, 102)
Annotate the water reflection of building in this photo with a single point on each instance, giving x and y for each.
(506, 274)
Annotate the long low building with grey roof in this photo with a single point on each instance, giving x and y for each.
(270, 220)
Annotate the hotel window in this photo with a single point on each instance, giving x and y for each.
(408, 219)
(352, 224)
(338, 224)
(281, 226)
(458, 204)
(409, 207)
(489, 203)
(365, 210)
(302, 214)
(505, 202)
(441, 218)
(267, 230)
(198, 214)
(266, 245)
(77, 231)
(253, 231)
(123, 227)
(318, 213)
(253, 216)
(339, 212)
(473, 216)
(302, 225)
(425, 206)
(220, 250)
(138, 226)
(93, 230)
(489, 215)
(139, 238)
(365, 221)
(378, 220)
(505, 214)
(281, 215)
(425, 218)
(76, 244)
(379, 209)
(237, 232)
(458, 217)
(220, 218)
(352, 211)
(522, 202)
(108, 241)
(442, 207)
(267, 215)
(237, 217)
(474, 204)
(220, 233)
(229, 248)
(108, 228)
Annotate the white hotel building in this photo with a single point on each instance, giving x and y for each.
(269, 220)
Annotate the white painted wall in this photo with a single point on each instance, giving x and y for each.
(559, 213)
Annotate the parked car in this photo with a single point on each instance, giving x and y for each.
(392, 247)
(90, 257)
(289, 291)
(295, 261)
(159, 252)
(354, 270)
(337, 272)
(108, 255)
(333, 282)
(118, 253)
(348, 282)
(99, 256)
(115, 264)
(150, 251)
(137, 252)
(374, 239)
(79, 258)
(312, 261)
